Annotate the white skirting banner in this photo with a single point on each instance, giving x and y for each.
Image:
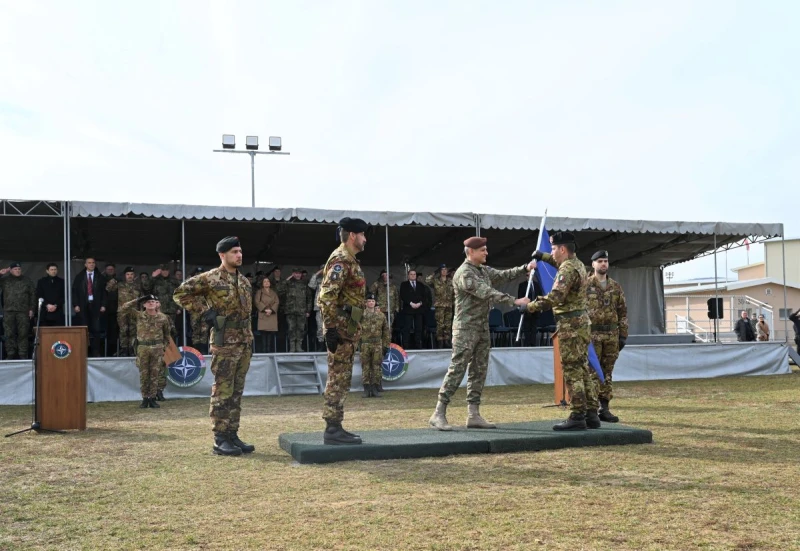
(117, 379)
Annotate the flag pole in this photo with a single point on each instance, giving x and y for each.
(530, 275)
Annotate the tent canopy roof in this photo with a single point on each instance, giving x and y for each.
(151, 233)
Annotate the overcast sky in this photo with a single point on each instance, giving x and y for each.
(635, 110)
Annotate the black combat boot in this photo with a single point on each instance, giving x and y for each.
(335, 435)
(592, 420)
(160, 396)
(223, 446)
(575, 421)
(605, 413)
(234, 439)
(145, 403)
(367, 391)
(376, 391)
(153, 403)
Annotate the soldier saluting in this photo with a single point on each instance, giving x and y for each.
(224, 297)
(341, 304)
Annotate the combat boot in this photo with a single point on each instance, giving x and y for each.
(592, 420)
(376, 391)
(575, 421)
(233, 437)
(160, 396)
(439, 418)
(474, 419)
(605, 413)
(367, 391)
(223, 446)
(153, 403)
(335, 435)
(145, 403)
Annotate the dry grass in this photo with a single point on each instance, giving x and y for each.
(723, 473)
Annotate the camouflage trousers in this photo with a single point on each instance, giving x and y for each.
(340, 375)
(17, 326)
(371, 359)
(470, 353)
(150, 361)
(573, 344)
(444, 322)
(606, 345)
(127, 328)
(229, 365)
(297, 330)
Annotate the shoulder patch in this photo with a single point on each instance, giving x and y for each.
(337, 267)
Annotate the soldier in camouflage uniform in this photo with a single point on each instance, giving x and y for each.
(609, 315)
(379, 290)
(567, 299)
(19, 303)
(127, 290)
(474, 294)
(341, 302)
(163, 287)
(375, 340)
(297, 308)
(443, 298)
(224, 298)
(152, 337)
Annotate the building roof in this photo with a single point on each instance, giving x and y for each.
(730, 286)
(747, 266)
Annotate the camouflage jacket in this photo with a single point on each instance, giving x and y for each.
(164, 289)
(19, 294)
(199, 329)
(569, 288)
(443, 295)
(343, 285)
(125, 291)
(230, 295)
(375, 328)
(298, 297)
(607, 306)
(280, 287)
(474, 295)
(379, 290)
(150, 330)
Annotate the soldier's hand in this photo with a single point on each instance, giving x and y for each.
(307, 314)
(622, 341)
(524, 301)
(4, 271)
(77, 309)
(30, 314)
(537, 255)
(102, 309)
(332, 340)
(157, 273)
(531, 265)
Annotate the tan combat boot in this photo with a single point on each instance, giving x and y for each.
(474, 419)
(438, 420)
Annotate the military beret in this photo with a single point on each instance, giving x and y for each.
(475, 242)
(15, 265)
(297, 270)
(370, 296)
(562, 238)
(442, 266)
(353, 225)
(129, 269)
(198, 270)
(227, 243)
(382, 272)
(163, 266)
(599, 254)
(147, 298)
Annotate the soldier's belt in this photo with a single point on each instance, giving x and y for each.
(607, 327)
(572, 314)
(237, 324)
(151, 343)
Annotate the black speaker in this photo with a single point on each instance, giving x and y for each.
(715, 308)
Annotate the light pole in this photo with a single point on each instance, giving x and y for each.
(251, 143)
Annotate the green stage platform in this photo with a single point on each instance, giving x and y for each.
(307, 447)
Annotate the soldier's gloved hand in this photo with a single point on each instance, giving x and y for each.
(537, 255)
(385, 351)
(210, 317)
(622, 343)
(332, 340)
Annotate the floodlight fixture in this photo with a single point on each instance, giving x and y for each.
(274, 143)
(251, 142)
(228, 141)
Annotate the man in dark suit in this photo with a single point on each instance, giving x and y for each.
(51, 289)
(412, 301)
(89, 302)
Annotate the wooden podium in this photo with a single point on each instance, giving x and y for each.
(61, 378)
(561, 394)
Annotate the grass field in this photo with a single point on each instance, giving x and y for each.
(723, 473)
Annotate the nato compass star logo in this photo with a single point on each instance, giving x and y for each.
(189, 370)
(61, 349)
(395, 364)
